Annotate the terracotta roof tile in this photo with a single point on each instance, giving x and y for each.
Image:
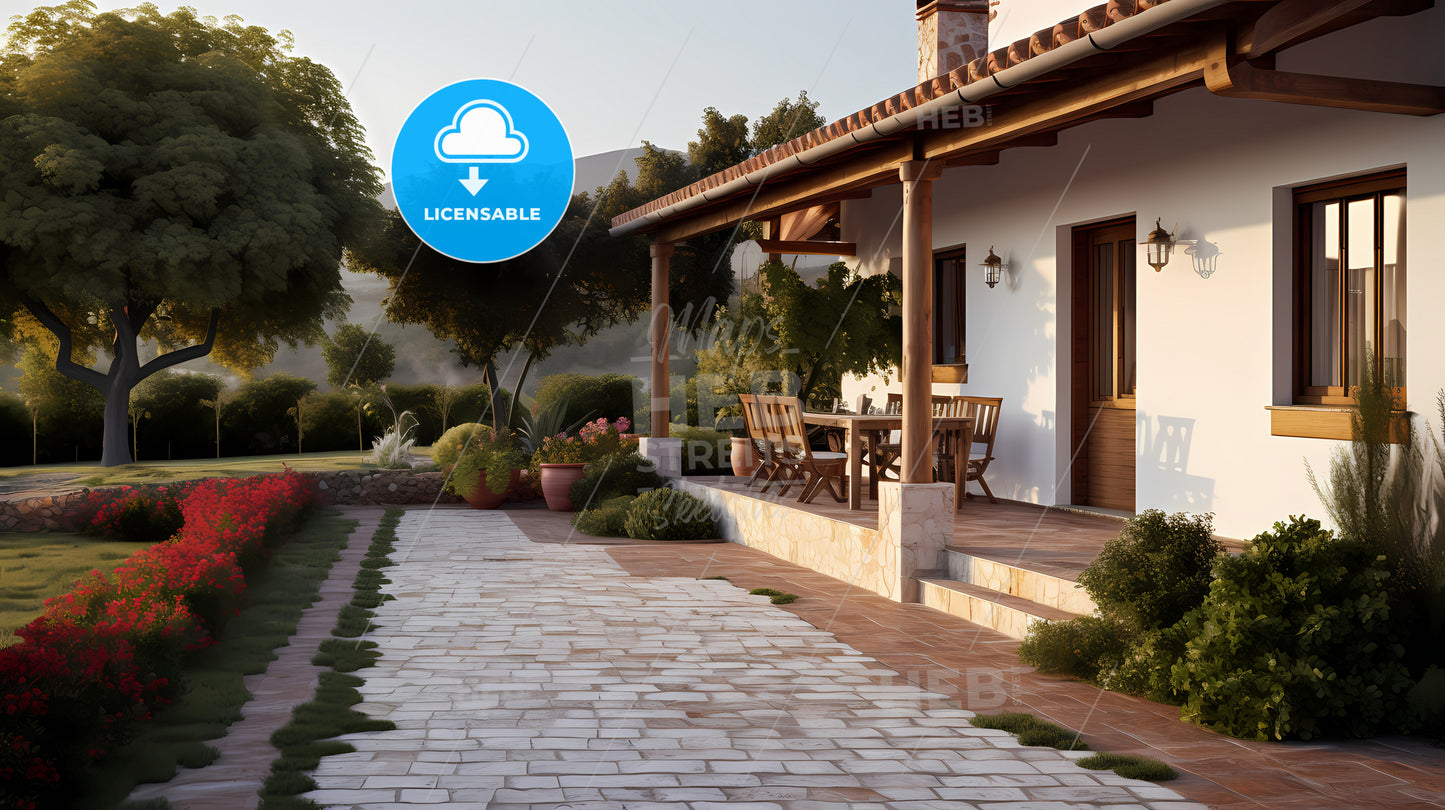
(1066, 31)
(1015, 53)
(1117, 10)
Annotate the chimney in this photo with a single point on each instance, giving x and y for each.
(951, 33)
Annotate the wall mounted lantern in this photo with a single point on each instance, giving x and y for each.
(992, 268)
(1158, 247)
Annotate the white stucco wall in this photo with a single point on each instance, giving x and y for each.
(1212, 352)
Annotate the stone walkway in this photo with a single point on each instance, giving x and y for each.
(524, 675)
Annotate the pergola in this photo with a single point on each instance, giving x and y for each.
(1111, 61)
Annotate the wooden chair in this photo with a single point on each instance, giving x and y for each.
(985, 411)
(888, 451)
(816, 470)
(783, 469)
(753, 425)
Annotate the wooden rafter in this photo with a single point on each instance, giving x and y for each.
(791, 194)
(1151, 77)
(809, 248)
(1228, 74)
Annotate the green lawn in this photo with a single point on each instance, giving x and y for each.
(35, 566)
(91, 474)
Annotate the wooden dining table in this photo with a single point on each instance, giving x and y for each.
(861, 432)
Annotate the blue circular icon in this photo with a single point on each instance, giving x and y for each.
(482, 170)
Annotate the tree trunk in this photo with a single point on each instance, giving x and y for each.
(116, 447)
(125, 369)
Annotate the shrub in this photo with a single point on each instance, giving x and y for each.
(490, 454)
(1155, 571)
(329, 422)
(448, 448)
(1082, 647)
(594, 440)
(1145, 670)
(255, 420)
(137, 514)
(1294, 640)
(607, 519)
(667, 514)
(703, 449)
(608, 396)
(616, 474)
(179, 426)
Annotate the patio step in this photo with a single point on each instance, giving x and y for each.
(1013, 579)
(1010, 615)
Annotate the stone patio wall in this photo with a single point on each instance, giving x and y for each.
(42, 513)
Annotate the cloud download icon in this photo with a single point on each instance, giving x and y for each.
(480, 132)
(511, 142)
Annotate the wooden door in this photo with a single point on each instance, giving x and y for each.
(1105, 364)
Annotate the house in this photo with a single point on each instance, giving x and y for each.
(1284, 147)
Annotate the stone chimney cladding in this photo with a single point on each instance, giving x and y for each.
(951, 33)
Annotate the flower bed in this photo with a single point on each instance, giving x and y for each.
(108, 653)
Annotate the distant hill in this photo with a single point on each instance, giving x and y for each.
(598, 170)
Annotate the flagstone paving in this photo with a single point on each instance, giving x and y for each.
(528, 675)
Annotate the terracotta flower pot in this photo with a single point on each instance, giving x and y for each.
(483, 498)
(557, 481)
(745, 457)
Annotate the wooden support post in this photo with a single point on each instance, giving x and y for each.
(661, 332)
(917, 368)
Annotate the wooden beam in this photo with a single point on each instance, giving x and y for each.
(877, 168)
(1293, 21)
(990, 157)
(661, 332)
(1230, 76)
(916, 368)
(805, 248)
(1154, 76)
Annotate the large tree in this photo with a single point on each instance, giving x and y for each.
(575, 283)
(175, 179)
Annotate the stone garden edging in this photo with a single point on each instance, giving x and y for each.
(344, 487)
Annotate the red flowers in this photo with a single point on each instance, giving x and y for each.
(105, 655)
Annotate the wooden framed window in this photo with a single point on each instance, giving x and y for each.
(1349, 286)
(1113, 334)
(948, 308)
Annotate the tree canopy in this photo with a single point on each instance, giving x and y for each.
(176, 179)
(844, 324)
(788, 120)
(354, 355)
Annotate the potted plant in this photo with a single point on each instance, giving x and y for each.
(487, 470)
(561, 458)
(744, 456)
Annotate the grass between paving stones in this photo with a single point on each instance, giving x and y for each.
(1031, 730)
(214, 689)
(307, 738)
(1035, 732)
(775, 596)
(1129, 766)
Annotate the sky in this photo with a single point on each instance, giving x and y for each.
(616, 73)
